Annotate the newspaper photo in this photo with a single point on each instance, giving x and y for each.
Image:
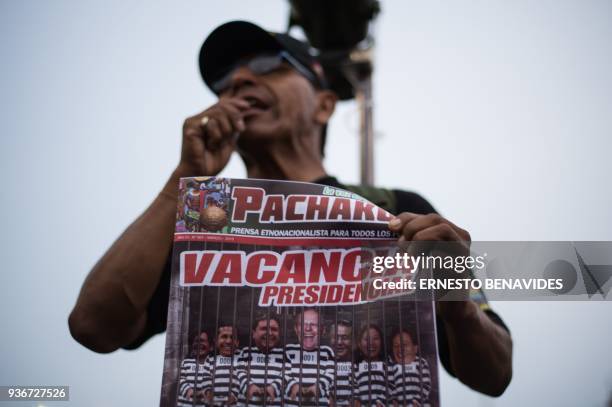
(271, 305)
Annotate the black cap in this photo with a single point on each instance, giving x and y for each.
(232, 41)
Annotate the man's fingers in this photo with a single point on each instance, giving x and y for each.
(226, 117)
(294, 391)
(408, 225)
(213, 135)
(240, 104)
(234, 107)
(193, 127)
(415, 225)
(441, 231)
(309, 391)
(234, 116)
(396, 224)
(253, 391)
(448, 239)
(224, 123)
(220, 116)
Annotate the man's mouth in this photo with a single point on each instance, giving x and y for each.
(268, 340)
(309, 338)
(256, 104)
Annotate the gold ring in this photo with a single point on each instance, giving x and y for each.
(204, 121)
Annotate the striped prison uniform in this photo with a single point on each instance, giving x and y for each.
(412, 381)
(261, 369)
(344, 384)
(188, 379)
(221, 376)
(373, 383)
(315, 367)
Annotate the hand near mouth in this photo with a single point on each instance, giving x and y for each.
(209, 138)
(256, 100)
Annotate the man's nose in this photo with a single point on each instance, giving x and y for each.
(242, 77)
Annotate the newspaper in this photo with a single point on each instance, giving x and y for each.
(270, 302)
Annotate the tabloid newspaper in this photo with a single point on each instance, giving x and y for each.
(270, 302)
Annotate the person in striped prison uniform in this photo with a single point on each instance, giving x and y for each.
(373, 386)
(409, 372)
(341, 339)
(261, 366)
(220, 380)
(310, 370)
(191, 370)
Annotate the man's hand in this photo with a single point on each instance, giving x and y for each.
(431, 227)
(480, 350)
(294, 391)
(306, 392)
(270, 392)
(200, 396)
(209, 138)
(189, 394)
(432, 234)
(208, 396)
(310, 391)
(254, 391)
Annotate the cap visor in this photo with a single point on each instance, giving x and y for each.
(230, 42)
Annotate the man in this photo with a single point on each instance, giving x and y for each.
(341, 339)
(409, 372)
(192, 369)
(220, 380)
(310, 370)
(273, 110)
(261, 366)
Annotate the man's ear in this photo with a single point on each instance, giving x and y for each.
(326, 103)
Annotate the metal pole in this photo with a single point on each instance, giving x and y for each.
(366, 136)
(359, 73)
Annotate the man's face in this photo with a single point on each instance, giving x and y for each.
(309, 338)
(227, 341)
(201, 345)
(404, 350)
(341, 342)
(370, 344)
(266, 335)
(281, 101)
